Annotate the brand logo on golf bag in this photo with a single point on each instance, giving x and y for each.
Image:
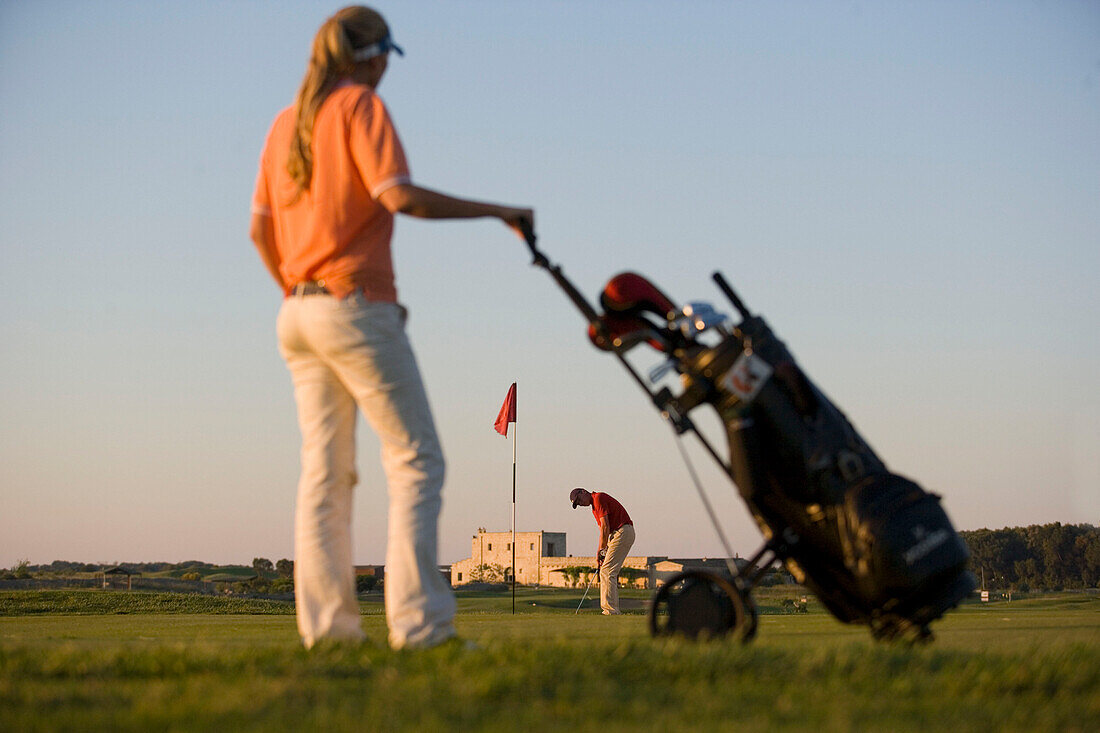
(925, 544)
(747, 377)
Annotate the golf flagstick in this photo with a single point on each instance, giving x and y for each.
(515, 429)
(508, 415)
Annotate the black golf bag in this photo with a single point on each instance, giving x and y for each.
(874, 547)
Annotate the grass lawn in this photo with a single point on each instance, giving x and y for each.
(154, 664)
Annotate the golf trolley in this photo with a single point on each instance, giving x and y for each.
(874, 547)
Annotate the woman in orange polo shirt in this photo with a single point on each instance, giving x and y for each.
(332, 175)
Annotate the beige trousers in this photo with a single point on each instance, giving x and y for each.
(343, 356)
(618, 546)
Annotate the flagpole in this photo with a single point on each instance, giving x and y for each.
(515, 429)
(508, 416)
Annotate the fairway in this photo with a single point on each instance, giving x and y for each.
(1032, 664)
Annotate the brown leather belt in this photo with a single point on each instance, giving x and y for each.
(309, 287)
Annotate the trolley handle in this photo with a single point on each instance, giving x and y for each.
(538, 258)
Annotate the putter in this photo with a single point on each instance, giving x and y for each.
(586, 587)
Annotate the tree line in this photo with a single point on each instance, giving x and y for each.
(269, 577)
(1039, 557)
(61, 567)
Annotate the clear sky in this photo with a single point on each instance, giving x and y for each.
(908, 191)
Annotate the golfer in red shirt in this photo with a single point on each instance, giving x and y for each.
(616, 539)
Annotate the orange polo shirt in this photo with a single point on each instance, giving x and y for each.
(336, 232)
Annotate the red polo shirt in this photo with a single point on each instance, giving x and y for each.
(604, 505)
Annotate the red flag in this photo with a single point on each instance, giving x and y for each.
(507, 411)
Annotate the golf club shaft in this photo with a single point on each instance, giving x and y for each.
(733, 297)
(586, 587)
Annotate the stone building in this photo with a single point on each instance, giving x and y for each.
(665, 568)
(541, 559)
(492, 552)
(378, 571)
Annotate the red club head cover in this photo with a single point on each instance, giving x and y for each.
(629, 292)
(616, 327)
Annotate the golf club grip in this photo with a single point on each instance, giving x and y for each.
(528, 232)
(728, 292)
(529, 236)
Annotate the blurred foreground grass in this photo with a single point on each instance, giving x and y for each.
(1031, 665)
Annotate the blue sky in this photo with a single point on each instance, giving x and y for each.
(907, 191)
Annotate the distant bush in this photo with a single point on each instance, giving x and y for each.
(194, 565)
(484, 573)
(575, 574)
(64, 568)
(191, 576)
(282, 585)
(93, 602)
(256, 585)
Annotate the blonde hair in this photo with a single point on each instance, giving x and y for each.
(332, 59)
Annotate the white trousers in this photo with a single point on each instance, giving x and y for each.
(618, 547)
(344, 354)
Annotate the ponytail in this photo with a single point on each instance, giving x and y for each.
(331, 60)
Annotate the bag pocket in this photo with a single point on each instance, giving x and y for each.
(899, 537)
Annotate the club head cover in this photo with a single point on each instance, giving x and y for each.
(629, 293)
(629, 331)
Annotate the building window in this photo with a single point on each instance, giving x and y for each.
(490, 546)
(509, 547)
(532, 546)
(460, 577)
(550, 549)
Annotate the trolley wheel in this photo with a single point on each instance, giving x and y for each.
(698, 604)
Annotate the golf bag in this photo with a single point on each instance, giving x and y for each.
(873, 546)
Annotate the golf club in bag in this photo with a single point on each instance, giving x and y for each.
(873, 546)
